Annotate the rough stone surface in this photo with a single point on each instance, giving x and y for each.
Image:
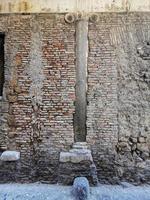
(10, 156)
(118, 97)
(9, 171)
(81, 188)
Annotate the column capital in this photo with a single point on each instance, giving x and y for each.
(81, 16)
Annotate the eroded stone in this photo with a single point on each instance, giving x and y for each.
(81, 188)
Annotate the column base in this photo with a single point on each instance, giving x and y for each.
(78, 162)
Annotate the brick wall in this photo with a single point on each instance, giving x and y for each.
(39, 88)
(39, 94)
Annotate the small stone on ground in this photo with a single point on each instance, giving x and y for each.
(81, 188)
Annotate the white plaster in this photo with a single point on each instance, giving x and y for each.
(64, 6)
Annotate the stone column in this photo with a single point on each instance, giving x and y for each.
(81, 80)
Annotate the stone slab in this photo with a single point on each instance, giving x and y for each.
(75, 157)
(79, 151)
(10, 156)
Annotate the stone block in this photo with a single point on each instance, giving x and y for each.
(78, 162)
(64, 157)
(10, 156)
(76, 157)
(12, 98)
(84, 151)
(11, 120)
(142, 139)
(133, 139)
(81, 188)
(79, 157)
(142, 147)
(134, 147)
(126, 184)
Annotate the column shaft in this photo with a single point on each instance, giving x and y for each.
(81, 80)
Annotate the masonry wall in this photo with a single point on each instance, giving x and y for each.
(39, 92)
(102, 123)
(118, 96)
(38, 104)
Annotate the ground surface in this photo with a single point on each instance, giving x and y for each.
(54, 192)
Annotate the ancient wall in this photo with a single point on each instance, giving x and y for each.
(102, 124)
(118, 96)
(133, 58)
(37, 107)
(39, 90)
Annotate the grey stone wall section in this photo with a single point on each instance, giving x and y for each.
(81, 80)
(118, 96)
(133, 60)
